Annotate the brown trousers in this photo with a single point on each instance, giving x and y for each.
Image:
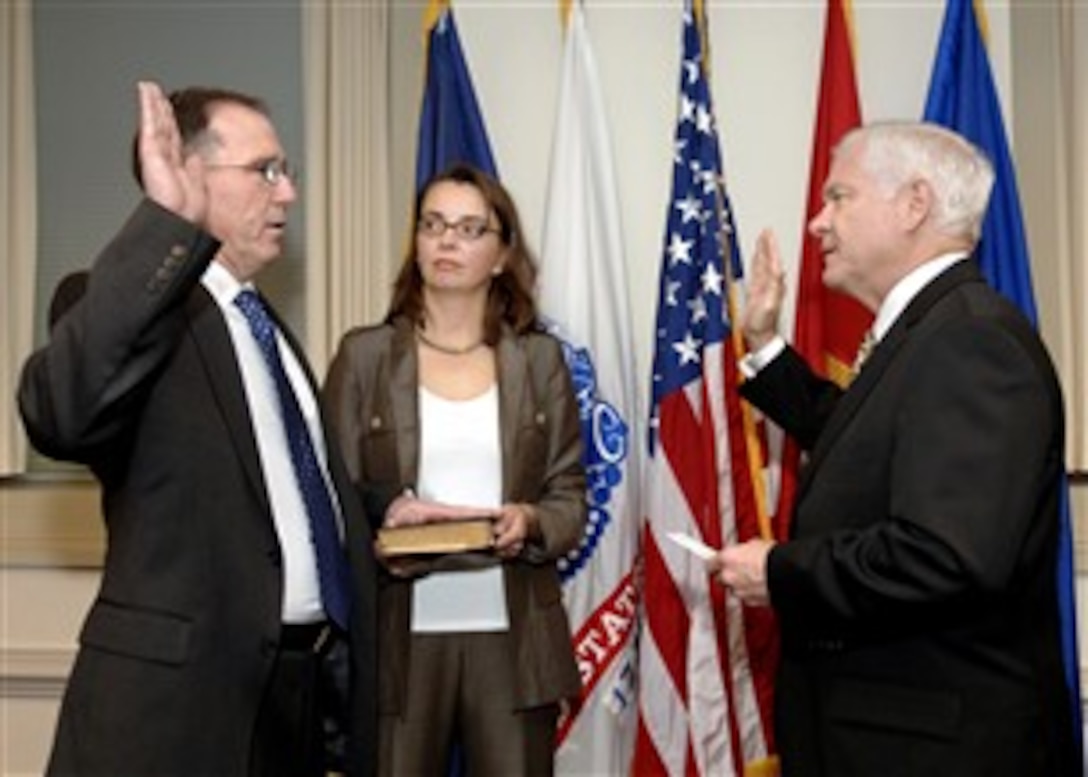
(461, 695)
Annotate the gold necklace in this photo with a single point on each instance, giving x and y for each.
(446, 349)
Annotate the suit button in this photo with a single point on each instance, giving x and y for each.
(275, 557)
(269, 646)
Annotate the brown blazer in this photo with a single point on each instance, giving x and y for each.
(372, 398)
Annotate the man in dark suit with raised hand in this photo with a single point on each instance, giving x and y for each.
(916, 594)
(226, 590)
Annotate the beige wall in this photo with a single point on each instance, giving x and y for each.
(51, 543)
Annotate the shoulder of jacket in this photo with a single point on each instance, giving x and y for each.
(540, 340)
(368, 336)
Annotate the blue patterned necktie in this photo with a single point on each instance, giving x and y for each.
(331, 563)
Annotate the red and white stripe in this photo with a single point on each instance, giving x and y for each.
(701, 708)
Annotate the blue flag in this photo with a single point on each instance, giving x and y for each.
(962, 96)
(451, 127)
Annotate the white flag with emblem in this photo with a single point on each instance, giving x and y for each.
(584, 297)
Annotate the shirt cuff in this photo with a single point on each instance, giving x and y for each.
(751, 363)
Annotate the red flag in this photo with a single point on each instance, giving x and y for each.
(829, 325)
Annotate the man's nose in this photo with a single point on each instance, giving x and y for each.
(818, 225)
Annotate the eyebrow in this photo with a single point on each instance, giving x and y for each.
(834, 190)
(440, 214)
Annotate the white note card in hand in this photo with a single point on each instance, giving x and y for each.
(692, 545)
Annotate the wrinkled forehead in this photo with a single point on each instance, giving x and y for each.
(847, 168)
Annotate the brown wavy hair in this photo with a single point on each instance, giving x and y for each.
(510, 299)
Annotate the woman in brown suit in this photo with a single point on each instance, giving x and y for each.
(459, 405)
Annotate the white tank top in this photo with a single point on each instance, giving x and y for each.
(460, 463)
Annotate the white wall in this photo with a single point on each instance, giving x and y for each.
(766, 57)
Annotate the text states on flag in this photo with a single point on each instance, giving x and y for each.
(599, 642)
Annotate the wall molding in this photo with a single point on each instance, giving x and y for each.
(55, 521)
(34, 672)
(51, 522)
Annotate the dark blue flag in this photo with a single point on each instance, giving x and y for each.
(451, 127)
(962, 96)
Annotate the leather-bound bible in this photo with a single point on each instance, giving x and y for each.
(441, 537)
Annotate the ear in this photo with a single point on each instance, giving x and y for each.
(500, 265)
(916, 203)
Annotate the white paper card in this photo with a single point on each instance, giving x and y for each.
(692, 545)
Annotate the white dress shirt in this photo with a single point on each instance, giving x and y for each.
(301, 588)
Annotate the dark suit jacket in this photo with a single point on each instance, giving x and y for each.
(917, 594)
(140, 382)
(372, 393)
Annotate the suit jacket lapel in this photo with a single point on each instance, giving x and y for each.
(513, 369)
(216, 350)
(403, 398)
(882, 355)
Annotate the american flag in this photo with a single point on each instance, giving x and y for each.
(705, 660)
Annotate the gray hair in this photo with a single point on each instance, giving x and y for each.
(898, 152)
